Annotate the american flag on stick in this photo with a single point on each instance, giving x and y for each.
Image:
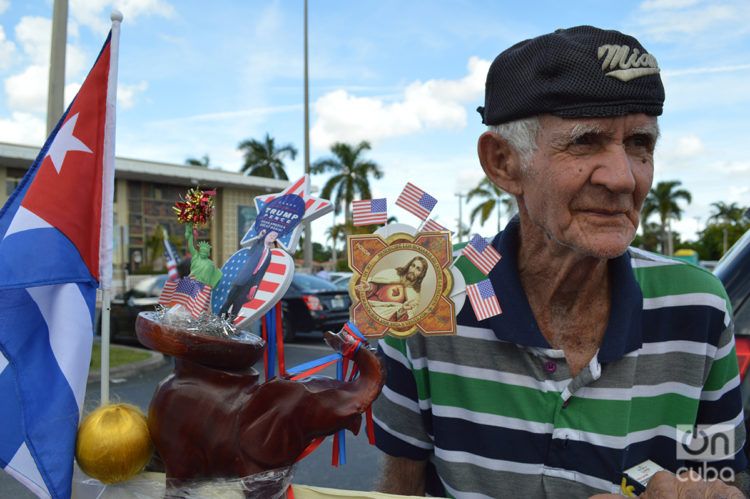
(483, 300)
(431, 225)
(416, 201)
(191, 294)
(370, 211)
(172, 259)
(481, 254)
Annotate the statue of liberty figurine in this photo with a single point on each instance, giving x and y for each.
(193, 292)
(202, 268)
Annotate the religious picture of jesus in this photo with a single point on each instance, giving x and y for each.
(394, 293)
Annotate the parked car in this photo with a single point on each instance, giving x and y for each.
(313, 304)
(341, 280)
(310, 304)
(125, 307)
(734, 271)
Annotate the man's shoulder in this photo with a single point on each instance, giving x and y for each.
(661, 276)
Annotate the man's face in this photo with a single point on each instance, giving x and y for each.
(416, 267)
(270, 238)
(587, 181)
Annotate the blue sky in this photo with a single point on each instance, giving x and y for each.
(407, 76)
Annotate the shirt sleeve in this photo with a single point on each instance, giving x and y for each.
(400, 428)
(721, 402)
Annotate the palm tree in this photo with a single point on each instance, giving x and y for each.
(663, 200)
(351, 175)
(727, 213)
(264, 159)
(494, 199)
(204, 161)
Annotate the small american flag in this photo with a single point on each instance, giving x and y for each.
(416, 201)
(481, 254)
(431, 224)
(172, 260)
(483, 300)
(191, 294)
(370, 211)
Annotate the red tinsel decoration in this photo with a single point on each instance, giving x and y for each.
(196, 207)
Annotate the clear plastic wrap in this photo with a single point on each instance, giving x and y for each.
(266, 485)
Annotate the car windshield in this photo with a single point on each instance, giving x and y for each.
(729, 255)
(145, 285)
(150, 286)
(311, 283)
(158, 285)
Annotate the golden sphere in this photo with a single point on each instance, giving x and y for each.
(113, 443)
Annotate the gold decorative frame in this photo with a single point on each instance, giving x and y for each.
(366, 252)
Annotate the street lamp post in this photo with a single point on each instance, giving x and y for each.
(460, 197)
(56, 84)
(307, 247)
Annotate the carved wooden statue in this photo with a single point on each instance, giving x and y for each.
(212, 419)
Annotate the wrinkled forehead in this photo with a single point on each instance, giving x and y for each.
(557, 128)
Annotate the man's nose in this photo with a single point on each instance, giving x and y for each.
(615, 170)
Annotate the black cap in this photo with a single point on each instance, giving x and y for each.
(581, 72)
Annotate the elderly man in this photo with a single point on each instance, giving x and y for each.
(602, 351)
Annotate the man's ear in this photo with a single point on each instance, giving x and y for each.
(500, 162)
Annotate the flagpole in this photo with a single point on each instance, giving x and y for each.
(108, 179)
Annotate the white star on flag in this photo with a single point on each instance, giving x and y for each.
(65, 141)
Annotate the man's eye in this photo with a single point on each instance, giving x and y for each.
(587, 139)
(641, 140)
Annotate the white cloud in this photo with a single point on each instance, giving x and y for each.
(71, 89)
(733, 167)
(126, 94)
(667, 19)
(27, 91)
(95, 13)
(679, 147)
(469, 178)
(33, 34)
(667, 4)
(22, 128)
(739, 194)
(7, 48)
(432, 104)
(672, 73)
(4, 4)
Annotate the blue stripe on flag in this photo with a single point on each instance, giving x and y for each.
(50, 412)
(36, 245)
(11, 429)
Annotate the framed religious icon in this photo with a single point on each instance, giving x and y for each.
(402, 284)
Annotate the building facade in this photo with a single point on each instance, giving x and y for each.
(145, 192)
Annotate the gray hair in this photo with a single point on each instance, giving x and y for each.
(521, 135)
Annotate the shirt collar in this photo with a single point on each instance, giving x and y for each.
(517, 323)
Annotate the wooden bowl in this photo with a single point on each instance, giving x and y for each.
(211, 351)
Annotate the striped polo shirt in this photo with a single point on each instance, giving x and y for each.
(496, 412)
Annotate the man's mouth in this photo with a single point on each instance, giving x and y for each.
(603, 212)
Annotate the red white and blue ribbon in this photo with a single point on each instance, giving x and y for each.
(341, 360)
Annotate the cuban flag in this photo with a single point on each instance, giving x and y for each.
(55, 250)
(370, 211)
(416, 201)
(483, 299)
(481, 254)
